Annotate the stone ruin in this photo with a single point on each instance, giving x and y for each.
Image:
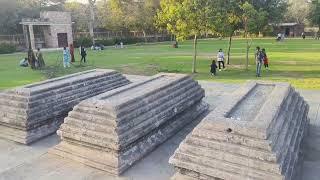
(33, 111)
(115, 129)
(255, 134)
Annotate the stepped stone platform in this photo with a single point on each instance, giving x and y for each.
(115, 129)
(34, 111)
(255, 134)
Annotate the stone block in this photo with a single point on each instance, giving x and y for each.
(115, 129)
(255, 134)
(31, 112)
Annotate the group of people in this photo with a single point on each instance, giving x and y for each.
(68, 55)
(260, 57)
(220, 59)
(35, 63)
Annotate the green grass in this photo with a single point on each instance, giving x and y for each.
(295, 61)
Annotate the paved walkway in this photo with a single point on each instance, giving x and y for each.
(32, 162)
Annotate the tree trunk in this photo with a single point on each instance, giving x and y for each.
(144, 36)
(195, 54)
(91, 22)
(247, 42)
(229, 47)
(247, 53)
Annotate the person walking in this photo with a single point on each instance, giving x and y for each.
(220, 58)
(66, 57)
(259, 59)
(40, 59)
(83, 54)
(72, 53)
(213, 68)
(265, 59)
(303, 35)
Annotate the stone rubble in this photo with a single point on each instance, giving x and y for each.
(115, 129)
(255, 134)
(31, 112)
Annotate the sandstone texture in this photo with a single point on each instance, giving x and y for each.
(255, 134)
(115, 129)
(34, 111)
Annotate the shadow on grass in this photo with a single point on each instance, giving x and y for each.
(56, 70)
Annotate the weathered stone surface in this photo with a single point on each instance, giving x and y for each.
(115, 129)
(33, 111)
(255, 134)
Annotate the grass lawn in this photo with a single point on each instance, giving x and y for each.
(295, 60)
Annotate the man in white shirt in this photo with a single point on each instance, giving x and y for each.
(220, 59)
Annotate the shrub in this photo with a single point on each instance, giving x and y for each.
(85, 41)
(130, 40)
(6, 48)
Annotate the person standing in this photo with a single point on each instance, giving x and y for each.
(259, 59)
(72, 53)
(220, 58)
(303, 35)
(265, 59)
(279, 35)
(213, 69)
(83, 54)
(40, 59)
(66, 57)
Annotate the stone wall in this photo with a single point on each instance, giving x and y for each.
(255, 134)
(34, 111)
(61, 23)
(115, 129)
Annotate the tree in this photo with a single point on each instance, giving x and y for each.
(9, 18)
(78, 15)
(298, 11)
(253, 21)
(143, 19)
(92, 19)
(185, 18)
(314, 15)
(227, 20)
(112, 14)
(276, 8)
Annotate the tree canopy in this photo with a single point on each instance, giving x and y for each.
(187, 18)
(298, 11)
(315, 13)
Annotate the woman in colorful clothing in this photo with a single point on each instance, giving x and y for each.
(66, 57)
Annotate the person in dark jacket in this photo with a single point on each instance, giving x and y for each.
(213, 68)
(83, 54)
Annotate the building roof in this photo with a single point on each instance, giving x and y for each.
(39, 22)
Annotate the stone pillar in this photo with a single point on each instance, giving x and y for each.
(25, 34)
(31, 35)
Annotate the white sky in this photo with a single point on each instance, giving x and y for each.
(81, 1)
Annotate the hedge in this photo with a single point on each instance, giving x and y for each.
(6, 48)
(87, 41)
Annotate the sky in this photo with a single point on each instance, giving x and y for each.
(81, 1)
